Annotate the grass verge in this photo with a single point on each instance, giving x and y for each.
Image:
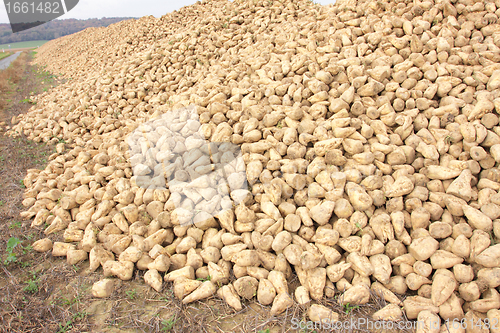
(4, 55)
(9, 78)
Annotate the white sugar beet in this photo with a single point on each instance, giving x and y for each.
(363, 157)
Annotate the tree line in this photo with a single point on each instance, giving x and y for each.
(54, 29)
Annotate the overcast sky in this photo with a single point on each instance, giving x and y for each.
(122, 8)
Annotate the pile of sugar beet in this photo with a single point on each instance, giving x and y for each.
(370, 134)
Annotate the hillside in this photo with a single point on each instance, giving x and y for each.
(54, 29)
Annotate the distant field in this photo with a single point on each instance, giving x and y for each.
(4, 55)
(22, 45)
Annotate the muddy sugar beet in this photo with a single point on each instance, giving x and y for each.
(367, 138)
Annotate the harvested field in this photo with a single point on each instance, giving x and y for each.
(23, 45)
(4, 55)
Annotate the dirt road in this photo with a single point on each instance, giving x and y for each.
(4, 63)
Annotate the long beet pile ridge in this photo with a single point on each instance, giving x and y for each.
(230, 145)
